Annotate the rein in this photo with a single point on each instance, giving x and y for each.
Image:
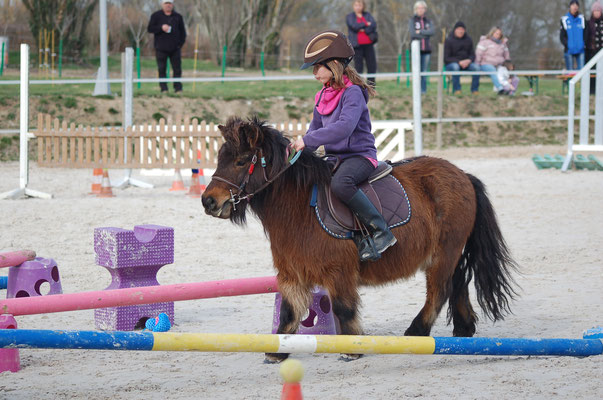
(236, 198)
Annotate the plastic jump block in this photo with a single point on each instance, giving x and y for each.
(540, 162)
(555, 162)
(598, 163)
(582, 162)
(133, 258)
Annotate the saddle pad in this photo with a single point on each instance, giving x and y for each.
(394, 206)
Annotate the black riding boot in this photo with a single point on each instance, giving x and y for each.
(381, 236)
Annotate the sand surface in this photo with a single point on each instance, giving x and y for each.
(552, 221)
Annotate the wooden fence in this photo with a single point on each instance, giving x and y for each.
(182, 143)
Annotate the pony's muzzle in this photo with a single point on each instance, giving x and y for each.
(214, 208)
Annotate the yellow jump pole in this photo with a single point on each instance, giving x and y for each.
(293, 343)
(196, 52)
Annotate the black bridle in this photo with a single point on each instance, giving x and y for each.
(236, 198)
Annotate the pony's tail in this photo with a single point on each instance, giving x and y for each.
(486, 255)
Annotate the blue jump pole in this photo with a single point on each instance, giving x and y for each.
(3, 282)
(98, 340)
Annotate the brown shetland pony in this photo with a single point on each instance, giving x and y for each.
(452, 234)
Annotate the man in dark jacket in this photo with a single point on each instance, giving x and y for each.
(573, 35)
(459, 55)
(170, 35)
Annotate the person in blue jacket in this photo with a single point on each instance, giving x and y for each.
(572, 35)
(342, 124)
(362, 32)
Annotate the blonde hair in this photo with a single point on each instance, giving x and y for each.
(494, 29)
(417, 4)
(338, 71)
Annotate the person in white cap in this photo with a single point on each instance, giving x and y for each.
(170, 35)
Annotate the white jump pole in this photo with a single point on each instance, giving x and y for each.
(416, 96)
(128, 96)
(23, 190)
(102, 87)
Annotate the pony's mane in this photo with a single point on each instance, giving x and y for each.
(308, 170)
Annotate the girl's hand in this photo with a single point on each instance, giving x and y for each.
(298, 145)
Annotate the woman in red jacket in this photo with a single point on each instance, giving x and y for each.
(362, 32)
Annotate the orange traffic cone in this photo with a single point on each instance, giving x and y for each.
(196, 189)
(292, 373)
(106, 186)
(177, 183)
(97, 180)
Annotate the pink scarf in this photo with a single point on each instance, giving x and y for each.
(327, 98)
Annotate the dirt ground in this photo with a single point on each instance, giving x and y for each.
(552, 222)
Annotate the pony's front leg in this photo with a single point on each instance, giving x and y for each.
(345, 306)
(295, 302)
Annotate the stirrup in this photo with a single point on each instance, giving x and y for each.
(366, 249)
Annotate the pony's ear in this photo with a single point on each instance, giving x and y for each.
(254, 135)
(222, 129)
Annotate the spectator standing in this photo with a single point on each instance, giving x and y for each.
(573, 36)
(460, 56)
(362, 33)
(170, 35)
(490, 53)
(421, 28)
(594, 40)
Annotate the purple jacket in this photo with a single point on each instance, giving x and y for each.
(346, 132)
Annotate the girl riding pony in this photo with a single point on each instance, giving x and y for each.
(342, 124)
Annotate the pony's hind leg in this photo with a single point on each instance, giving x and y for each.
(459, 306)
(438, 289)
(295, 302)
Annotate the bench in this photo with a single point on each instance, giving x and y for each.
(565, 78)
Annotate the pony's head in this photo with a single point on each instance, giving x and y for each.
(251, 152)
(251, 159)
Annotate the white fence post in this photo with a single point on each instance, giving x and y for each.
(416, 97)
(128, 96)
(23, 190)
(584, 77)
(599, 106)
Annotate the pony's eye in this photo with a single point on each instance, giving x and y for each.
(241, 162)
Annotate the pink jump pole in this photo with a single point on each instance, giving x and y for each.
(137, 295)
(14, 258)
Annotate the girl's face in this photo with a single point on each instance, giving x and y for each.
(497, 34)
(596, 14)
(322, 74)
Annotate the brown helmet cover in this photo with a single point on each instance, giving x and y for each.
(325, 46)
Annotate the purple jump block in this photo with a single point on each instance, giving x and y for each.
(320, 319)
(26, 280)
(133, 258)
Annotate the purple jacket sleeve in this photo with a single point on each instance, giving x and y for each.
(353, 103)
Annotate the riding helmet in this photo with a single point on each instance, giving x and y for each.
(326, 46)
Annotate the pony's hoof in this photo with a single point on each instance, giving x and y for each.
(275, 358)
(349, 357)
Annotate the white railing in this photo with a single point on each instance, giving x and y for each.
(584, 143)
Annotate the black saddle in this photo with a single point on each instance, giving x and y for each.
(385, 192)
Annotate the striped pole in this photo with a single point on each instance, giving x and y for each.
(137, 295)
(230, 343)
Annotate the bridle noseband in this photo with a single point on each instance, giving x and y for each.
(236, 198)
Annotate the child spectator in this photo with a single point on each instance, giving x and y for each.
(509, 82)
